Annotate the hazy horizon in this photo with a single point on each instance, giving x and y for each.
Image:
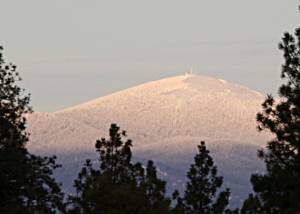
(72, 51)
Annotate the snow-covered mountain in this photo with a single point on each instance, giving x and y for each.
(166, 120)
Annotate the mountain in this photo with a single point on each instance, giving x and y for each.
(166, 119)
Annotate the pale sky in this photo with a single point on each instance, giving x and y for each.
(72, 51)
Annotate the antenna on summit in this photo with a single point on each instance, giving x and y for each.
(190, 71)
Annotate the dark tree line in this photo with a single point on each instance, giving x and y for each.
(26, 182)
(118, 185)
(278, 191)
(115, 184)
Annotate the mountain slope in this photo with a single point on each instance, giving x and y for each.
(166, 119)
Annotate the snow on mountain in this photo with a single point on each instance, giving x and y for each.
(166, 119)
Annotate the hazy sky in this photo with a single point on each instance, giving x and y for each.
(71, 51)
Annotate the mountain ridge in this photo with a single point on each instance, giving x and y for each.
(171, 82)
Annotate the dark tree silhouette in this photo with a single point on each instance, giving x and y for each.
(118, 185)
(26, 183)
(201, 195)
(251, 205)
(155, 190)
(278, 191)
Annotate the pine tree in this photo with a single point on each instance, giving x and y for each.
(118, 185)
(251, 205)
(278, 190)
(26, 183)
(155, 190)
(201, 195)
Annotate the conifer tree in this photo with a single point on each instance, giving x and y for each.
(155, 190)
(118, 185)
(251, 205)
(202, 194)
(26, 183)
(278, 190)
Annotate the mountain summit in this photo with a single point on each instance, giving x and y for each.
(166, 119)
(187, 105)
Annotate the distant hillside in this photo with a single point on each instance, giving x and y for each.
(166, 119)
